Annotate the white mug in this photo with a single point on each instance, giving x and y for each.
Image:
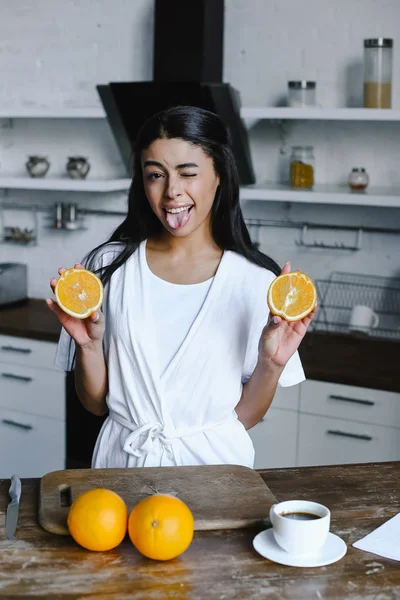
(363, 318)
(300, 526)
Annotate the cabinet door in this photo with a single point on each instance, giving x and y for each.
(32, 390)
(351, 403)
(275, 439)
(30, 446)
(27, 352)
(328, 441)
(287, 397)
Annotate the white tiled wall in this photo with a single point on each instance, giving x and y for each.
(53, 53)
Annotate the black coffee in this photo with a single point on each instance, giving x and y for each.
(301, 516)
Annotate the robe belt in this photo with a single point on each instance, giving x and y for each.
(157, 431)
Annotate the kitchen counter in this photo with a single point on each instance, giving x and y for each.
(362, 361)
(31, 319)
(338, 358)
(219, 564)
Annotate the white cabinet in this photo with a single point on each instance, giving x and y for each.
(30, 445)
(287, 397)
(275, 437)
(26, 352)
(32, 390)
(347, 424)
(322, 423)
(350, 403)
(327, 441)
(32, 408)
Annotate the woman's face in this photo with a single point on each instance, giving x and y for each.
(180, 184)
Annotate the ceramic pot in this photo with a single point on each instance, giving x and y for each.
(77, 167)
(37, 166)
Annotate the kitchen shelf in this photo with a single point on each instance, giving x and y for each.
(253, 114)
(64, 184)
(52, 113)
(320, 194)
(247, 112)
(323, 194)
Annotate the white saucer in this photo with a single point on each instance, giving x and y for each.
(333, 550)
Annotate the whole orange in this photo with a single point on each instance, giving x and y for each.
(161, 527)
(98, 519)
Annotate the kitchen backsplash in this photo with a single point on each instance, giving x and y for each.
(380, 253)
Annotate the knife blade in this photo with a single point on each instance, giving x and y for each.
(13, 507)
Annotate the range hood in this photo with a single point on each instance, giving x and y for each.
(187, 69)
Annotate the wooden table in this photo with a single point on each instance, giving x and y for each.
(220, 564)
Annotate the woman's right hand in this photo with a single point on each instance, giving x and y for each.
(84, 332)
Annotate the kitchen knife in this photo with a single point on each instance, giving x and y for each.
(13, 507)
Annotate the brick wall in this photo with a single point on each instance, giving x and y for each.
(53, 53)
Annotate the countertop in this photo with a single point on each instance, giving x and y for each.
(30, 319)
(221, 564)
(366, 362)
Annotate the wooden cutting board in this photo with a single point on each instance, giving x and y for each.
(220, 496)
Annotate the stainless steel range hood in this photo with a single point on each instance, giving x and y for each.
(188, 53)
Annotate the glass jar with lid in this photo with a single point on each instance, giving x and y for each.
(358, 179)
(302, 94)
(378, 72)
(302, 165)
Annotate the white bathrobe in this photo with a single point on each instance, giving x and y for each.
(186, 414)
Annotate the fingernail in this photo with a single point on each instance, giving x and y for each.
(275, 320)
(95, 317)
(49, 302)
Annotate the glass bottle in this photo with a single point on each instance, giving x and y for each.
(358, 179)
(378, 59)
(302, 164)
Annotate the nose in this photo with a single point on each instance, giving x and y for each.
(173, 188)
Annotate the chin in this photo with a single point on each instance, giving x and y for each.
(182, 232)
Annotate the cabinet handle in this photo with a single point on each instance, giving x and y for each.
(18, 377)
(354, 400)
(16, 424)
(356, 436)
(15, 349)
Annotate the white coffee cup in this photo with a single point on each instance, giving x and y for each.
(363, 318)
(300, 526)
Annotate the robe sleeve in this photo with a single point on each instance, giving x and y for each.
(293, 372)
(65, 353)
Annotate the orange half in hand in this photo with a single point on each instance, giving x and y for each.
(79, 292)
(292, 296)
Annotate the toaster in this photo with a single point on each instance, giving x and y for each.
(13, 283)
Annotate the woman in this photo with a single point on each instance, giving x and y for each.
(183, 355)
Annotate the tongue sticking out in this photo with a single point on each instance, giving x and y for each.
(177, 220)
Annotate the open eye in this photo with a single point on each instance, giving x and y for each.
(154, 176)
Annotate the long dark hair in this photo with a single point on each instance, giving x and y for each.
(205, 129)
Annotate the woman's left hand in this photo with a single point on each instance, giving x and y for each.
(280, 339)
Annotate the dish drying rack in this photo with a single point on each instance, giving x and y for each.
(338, 294)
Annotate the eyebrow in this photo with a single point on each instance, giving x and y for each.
(155, 163)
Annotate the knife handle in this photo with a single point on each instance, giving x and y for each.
(15, 488)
